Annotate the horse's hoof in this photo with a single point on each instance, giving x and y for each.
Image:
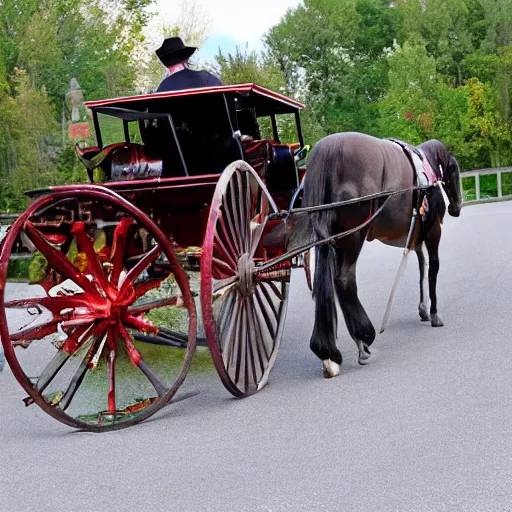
(331, 369)
(422, 310)
(364, 354)
(435, 321)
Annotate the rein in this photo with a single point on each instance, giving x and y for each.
(285, 214)
(310, 209)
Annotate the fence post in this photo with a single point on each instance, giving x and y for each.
(477, 186)
(498, 181)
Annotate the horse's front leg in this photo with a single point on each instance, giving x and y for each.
(432, 242)
(422, 307)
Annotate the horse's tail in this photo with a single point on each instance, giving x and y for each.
(325, 303)
(322, 165)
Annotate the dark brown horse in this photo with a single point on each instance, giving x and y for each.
(350, 165)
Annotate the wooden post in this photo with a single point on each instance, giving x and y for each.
(498, 181)
(477, 186)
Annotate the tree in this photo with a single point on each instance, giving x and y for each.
(408, 110)
(43, 43)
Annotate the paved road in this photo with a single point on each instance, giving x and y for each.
(425, 427)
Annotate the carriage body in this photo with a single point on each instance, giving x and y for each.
(180, 182)
(171, 170)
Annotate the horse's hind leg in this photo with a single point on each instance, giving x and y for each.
(432, 242)
(422, 307)
(358, 324)
(323, 339)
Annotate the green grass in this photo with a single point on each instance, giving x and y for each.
(18, 269)
(170, 317)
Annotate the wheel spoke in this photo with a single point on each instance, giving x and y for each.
(58, 261)
(220, 247)
(243, 213)
(238, 202)
(78, 321)
(240, 347)
(256, 234)
(140, 309)
(228, 234)
(138, 361)
(234, 213)
(254, 334)
(53, 304)
(265, 335)
(63, 354)
(224, 284)
(85, 365)
(246, 219)
(23, 337)
(118, 249)
(141, 265)
(269, 300)
(137, 323)
(252, 364)
(224, 265)
(160, 388)
(93, 265)
(275, 289)
(228, 334)
(226, 311)
(111, 367)
(264, 312)
(144, 287)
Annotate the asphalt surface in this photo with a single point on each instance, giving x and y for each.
(426, 426)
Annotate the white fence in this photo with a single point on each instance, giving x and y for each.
(498, 171)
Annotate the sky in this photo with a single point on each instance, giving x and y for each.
(233, 22)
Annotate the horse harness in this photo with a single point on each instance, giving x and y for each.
(424, 176)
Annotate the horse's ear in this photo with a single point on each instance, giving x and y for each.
(454, 163)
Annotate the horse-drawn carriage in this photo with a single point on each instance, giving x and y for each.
(184, 188)
(105, 332)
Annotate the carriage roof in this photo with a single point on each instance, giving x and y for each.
(264, 101)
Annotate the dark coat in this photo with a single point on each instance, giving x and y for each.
(188, 79)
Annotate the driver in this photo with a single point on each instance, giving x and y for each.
(174, 55)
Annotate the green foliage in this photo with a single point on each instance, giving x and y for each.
(43, 44)
(250, 67)
(412, 69)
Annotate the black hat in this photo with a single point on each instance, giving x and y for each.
(174, 51)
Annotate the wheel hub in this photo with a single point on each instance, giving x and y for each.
(245, 271)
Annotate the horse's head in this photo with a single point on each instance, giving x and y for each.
(451, 179)
(447, 170)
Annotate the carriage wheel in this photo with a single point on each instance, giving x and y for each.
(92, 337)
(243, 309)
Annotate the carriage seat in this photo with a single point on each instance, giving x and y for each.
(120, 161)
(274, 162)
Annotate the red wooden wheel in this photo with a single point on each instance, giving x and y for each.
(243, 308)
(94, 337)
